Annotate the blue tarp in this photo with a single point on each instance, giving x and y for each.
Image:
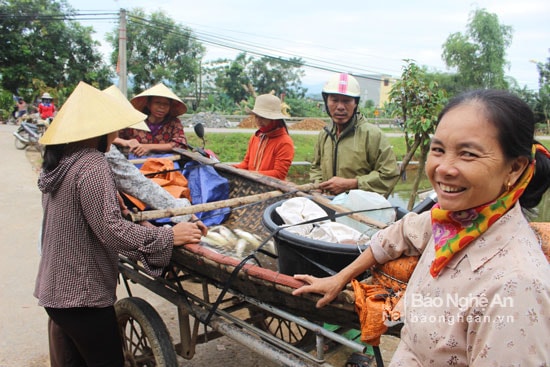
(206, 185)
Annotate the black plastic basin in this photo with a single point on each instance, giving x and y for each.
(302, 255)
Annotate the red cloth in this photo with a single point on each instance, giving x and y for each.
(170, 132)
(269, 153)
(46, 111)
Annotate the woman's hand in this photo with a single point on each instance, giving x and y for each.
(187, 232)
(329, 287)
(202, 226)
(137, 148)
(132, 144)
(123, 208)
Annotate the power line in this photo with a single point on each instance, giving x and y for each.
(203, 37)
(254, 49)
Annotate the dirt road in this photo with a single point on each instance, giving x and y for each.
(23, 340)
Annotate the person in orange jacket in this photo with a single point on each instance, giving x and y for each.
(271, 149)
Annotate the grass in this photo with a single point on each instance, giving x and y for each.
(231, 147)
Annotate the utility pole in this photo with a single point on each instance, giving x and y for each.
(122, 70)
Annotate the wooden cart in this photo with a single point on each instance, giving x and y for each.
(246, 299)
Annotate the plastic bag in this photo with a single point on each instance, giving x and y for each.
(375, 206)
(377, 304)
(206, 185)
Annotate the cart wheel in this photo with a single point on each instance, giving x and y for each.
(19, 145)
(146, 340)
(283, 329)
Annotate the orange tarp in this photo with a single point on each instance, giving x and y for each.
(172, 181)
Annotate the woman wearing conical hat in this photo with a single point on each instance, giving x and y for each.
(162, 108)
(270, 150)
(83, 231)
(131, 181)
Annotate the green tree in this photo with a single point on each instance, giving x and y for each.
(418, 102)
(479, 54)
(38, 41)
(229, 77)
(245, 77)
(159, 50)
(304, 107)
(278, 75)
(450, 82)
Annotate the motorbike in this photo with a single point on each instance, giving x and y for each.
(29, 133)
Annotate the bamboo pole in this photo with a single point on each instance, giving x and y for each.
(164, 213)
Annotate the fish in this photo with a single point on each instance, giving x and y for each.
(216, 239)
(248, 237)
(226, 233)
(270, 247)
(240, 247)
(256, 241)
(237, 241)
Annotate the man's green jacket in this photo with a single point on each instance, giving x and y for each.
(361, 151)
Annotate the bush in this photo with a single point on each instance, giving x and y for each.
(541, 128)
(6, 104)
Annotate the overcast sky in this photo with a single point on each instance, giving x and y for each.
(358, 36)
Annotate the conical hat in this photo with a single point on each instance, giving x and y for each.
(160, 90)
(115, 92)
(89, 113)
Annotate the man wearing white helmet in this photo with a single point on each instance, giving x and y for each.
(351, 153)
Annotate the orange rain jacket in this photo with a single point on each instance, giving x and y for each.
(269, 153)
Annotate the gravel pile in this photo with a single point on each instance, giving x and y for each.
(308, 124)
(208, 119)
(247, 123)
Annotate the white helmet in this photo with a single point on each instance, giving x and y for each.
(343, 84)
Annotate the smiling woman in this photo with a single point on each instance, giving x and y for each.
(467, 170)
(475, 241)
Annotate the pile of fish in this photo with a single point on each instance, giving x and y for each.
(236, 242)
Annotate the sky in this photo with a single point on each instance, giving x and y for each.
(356, 36)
